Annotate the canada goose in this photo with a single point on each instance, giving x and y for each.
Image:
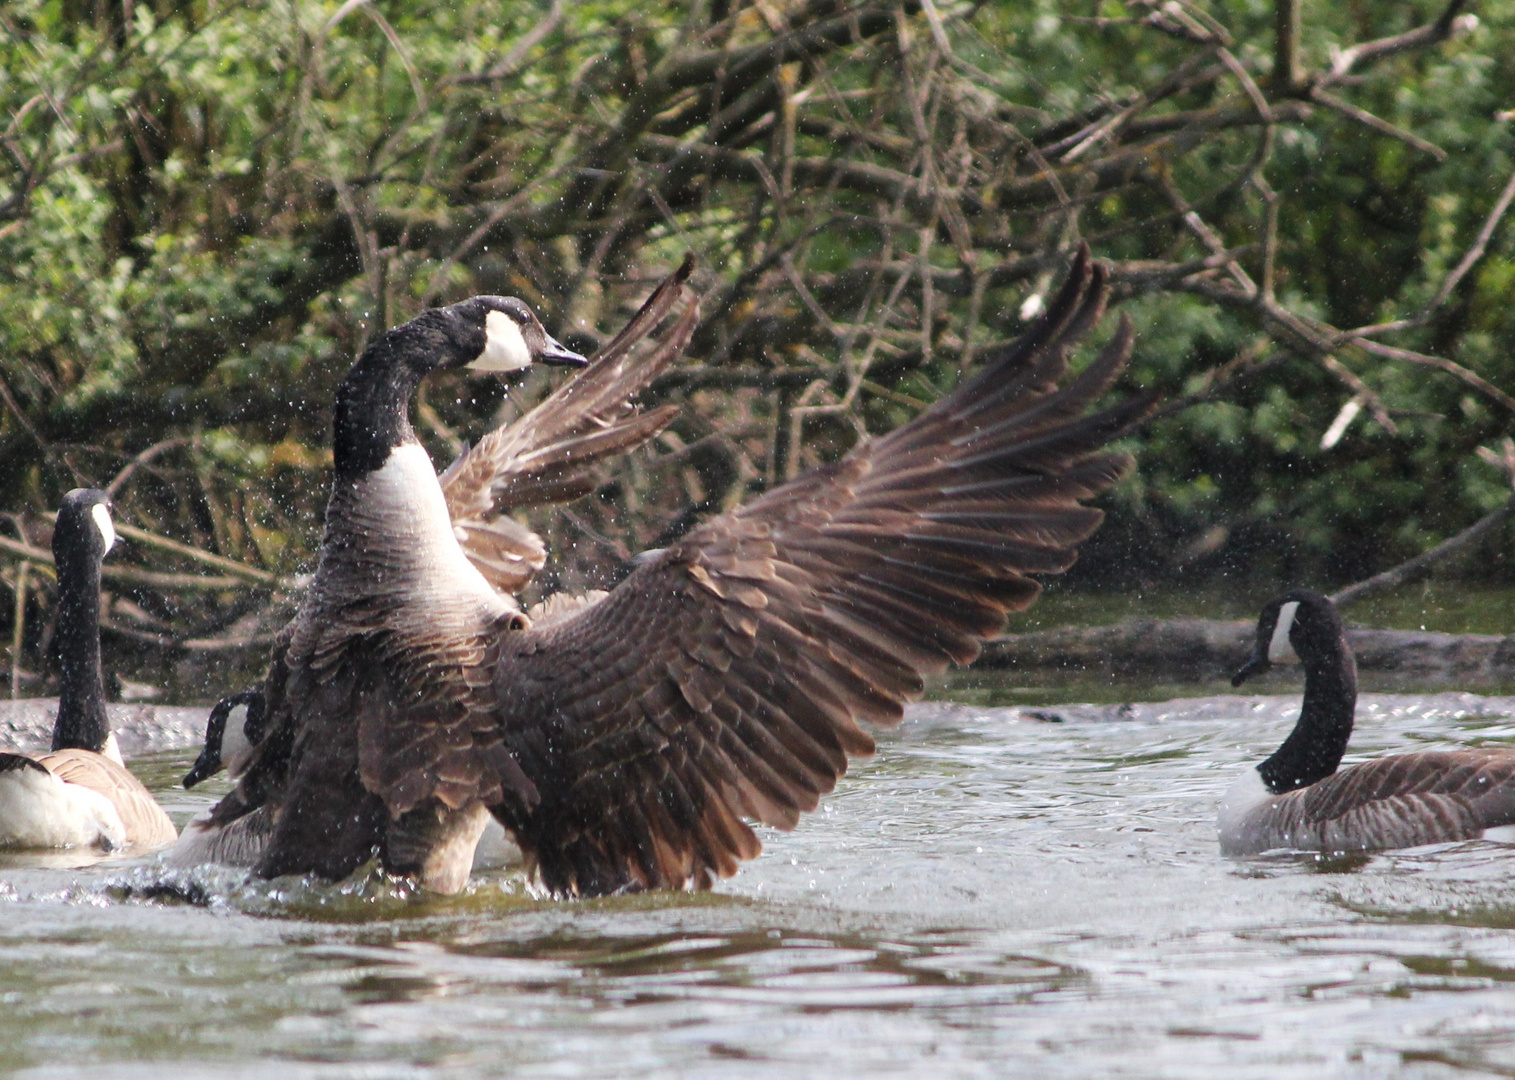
(234, 727)
(80, 794)
(1296, 798)
(723, 679)
(545, 456)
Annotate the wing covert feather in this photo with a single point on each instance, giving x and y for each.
(1400, 801)
(145, 822)
(1403, 800)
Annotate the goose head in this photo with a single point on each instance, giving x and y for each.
(1299, 626)
(235, 727)
(498, 334)
(84, 532)
(485, 334)
(514, 338)
(1304, 625)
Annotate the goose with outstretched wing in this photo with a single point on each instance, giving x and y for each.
(629, 744)
(547, 455)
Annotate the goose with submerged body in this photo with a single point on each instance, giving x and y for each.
(80, 794)
(1297, 799)
(627, 743)
(234, 728)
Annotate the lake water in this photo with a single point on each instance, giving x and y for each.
(992, 895)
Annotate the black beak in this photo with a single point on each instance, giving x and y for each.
(1256, 664)
(556, 352)
(205, 766)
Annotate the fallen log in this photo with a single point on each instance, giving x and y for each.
(1204, 650)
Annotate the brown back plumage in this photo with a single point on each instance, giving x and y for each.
(1399, 801)
(147, 826)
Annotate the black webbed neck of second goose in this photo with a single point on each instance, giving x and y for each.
(82, 722)
(1315, 747)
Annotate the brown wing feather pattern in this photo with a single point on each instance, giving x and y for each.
(145, 822)
(547, 455)
(728, 677)
(1401, 801)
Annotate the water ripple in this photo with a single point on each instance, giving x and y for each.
(1001, 892)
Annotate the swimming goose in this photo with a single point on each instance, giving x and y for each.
(627, 744)
(80, 794)
(234, 727)
(1296, 798)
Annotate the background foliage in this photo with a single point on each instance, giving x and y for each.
(206, 208)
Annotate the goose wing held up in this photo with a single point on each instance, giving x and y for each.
(547, 455)
(726, 678)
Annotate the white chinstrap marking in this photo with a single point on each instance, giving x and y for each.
(102, 520)
(504, 347)
(1280, 649)
(112, 750)
(1500, 834)
(236, 747)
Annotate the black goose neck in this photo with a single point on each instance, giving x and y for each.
(372, 414)
(82, 723)
(1315, 747)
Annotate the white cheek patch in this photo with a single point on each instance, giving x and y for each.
(234, 741)
(1280, 650)
(103, 523)
(504, 347)
(236, 747)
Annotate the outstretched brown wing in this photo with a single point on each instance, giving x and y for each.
(548, 454)
(727, 677)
